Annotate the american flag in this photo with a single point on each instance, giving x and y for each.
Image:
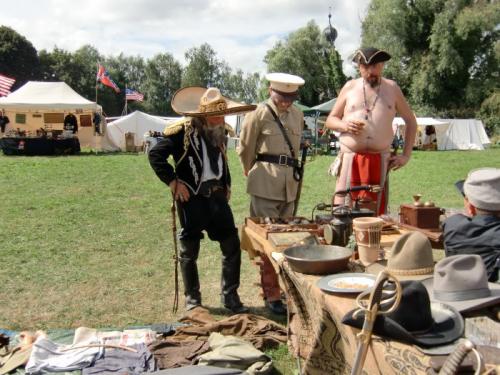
(133, 95)
(5, 85)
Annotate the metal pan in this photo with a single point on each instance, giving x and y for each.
(318, 259)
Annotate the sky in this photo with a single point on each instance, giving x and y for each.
(241, 32)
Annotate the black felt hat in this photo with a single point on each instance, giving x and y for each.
(370, 55)
(417, 320)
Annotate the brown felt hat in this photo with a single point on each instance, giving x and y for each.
(202, 102)
(410, 258)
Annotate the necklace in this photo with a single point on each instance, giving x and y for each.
(369, 109)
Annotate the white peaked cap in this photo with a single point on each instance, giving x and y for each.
(285, 83)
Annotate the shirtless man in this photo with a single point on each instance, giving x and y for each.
(363, 114)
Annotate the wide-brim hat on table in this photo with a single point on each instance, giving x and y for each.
(201, 102)
(370, 56)
(285, 84)
(461, 281)
(410, 258)
(416, 320)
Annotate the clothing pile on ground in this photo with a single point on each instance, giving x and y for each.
(209, 346)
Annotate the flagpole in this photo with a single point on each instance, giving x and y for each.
(96, 83)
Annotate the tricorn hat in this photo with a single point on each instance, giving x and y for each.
(416, 320)
(370, 55)
(410, 258)
(201, 102)
(462, 282)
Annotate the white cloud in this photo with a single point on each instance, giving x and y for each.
(239, 31)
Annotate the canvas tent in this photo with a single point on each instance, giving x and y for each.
(38, 105)
(465, 134)
(138, 123)
(451, 134)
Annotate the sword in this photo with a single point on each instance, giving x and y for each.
(175, 305)
(383, 298)
(299, 188)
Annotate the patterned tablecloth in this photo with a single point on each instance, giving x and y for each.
(315, 332)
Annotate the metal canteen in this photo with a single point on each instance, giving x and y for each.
(341, 225)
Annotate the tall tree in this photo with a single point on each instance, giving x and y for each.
(445, 52)
(307, 53)
(162, 79)
(77, 69)
(203, 67)
(18, 57)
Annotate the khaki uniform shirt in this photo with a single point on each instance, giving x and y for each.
(260, 134)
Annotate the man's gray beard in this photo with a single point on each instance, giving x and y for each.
(215, 135)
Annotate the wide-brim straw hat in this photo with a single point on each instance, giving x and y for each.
(202, 102)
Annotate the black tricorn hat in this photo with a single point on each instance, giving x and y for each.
(370, 55)
(416, 320)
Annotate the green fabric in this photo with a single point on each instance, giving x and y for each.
(234, 352)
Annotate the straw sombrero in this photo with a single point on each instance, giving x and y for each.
(200, 102)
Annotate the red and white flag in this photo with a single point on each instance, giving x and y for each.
(105, 79)
(5, 85)
(133, 95)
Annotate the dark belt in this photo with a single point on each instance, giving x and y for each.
(278, 159)
(207, 188)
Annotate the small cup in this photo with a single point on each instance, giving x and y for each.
(367, 231)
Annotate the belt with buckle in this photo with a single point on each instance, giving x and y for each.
(278, 159)
(209, 187)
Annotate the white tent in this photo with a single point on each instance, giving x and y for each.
(440, 126)
(464, 134)
(137, 123)
(451, 134)
(38, 105)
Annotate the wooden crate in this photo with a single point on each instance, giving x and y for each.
(420, 217)
(257, 225)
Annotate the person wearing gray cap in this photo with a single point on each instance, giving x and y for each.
(268, 150)
(477, 232)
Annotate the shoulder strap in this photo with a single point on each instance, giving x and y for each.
(283, 130)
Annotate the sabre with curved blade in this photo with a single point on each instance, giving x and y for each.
(383, 298)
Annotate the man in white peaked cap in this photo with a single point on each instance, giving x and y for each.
(268, 151)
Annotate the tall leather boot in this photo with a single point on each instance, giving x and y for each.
(230, 280)
(187, 260)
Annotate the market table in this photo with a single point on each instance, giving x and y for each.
(316, 334)
(39, 146)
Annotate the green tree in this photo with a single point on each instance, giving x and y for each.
(77, 69)
(307, 53)
(18, 57)
(204, 68)
(446, 53)
(162, 79)
(241, 87)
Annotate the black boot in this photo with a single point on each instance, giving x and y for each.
(187, 260)
(230, 280)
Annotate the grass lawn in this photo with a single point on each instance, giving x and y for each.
(87, 241)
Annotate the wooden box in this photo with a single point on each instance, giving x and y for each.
(258, 225)
(420, 217)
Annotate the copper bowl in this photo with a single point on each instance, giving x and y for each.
(318, 259)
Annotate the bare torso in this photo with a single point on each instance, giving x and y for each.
(377, 133)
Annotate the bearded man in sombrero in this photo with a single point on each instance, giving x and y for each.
(201, 185)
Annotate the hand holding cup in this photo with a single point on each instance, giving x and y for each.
(355, 126)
